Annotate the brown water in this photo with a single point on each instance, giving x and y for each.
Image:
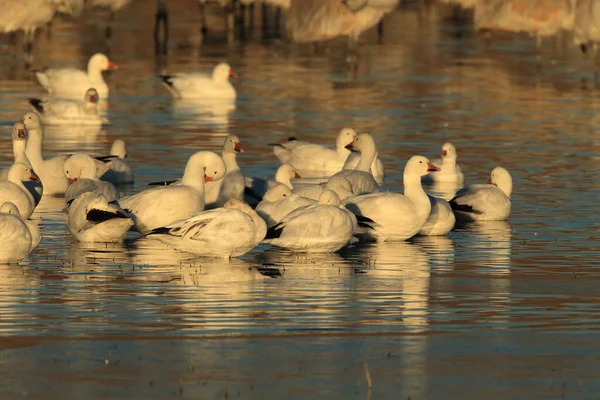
(493, 310)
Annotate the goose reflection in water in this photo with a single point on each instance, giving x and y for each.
(489, 243)
(73, 133)
(191, 113)
(444, 190)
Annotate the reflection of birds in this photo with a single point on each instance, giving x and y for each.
(439, 248)
(587, 26)
(490, 244)
(203, 112)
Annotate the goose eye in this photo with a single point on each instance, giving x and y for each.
(215, 172)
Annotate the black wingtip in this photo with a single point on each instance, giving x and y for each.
(275, 231)
(159, 231)
(167, 79)
(105, 158)
(37, 104)
(162, 183)
(365, 222)
(463, 208)
(292, 138)
(583, 47)
(276, 145)
(251, 194)
(102, 216)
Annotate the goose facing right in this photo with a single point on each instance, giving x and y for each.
(13, 190)
(80, 170)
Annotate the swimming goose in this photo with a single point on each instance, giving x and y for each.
(200, 85)
(19, 139)
(91, 218)
(232, 184)
(159, 206)
(449, 172)
(113, 168)
(441, 218)
(13, 190)
(50, 171)
(230, 231)
(255, 188)
(279, 202)
(392, 216)
(61, 111)
(485, 202)
(15, 235)
(360, 177)
(80, 170)
(319, 228)
(73, 82)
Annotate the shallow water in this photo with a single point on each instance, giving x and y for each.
(491, 310)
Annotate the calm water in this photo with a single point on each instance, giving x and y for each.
(493, 310)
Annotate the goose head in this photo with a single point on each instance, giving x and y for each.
(232, 145)
(32, 121)
(362, 143)
(501, 178)
(20, 172)
(329, 197)
(118, 149)
(340, 185)
(19, 132)
(222, 72)
(238, 205)
(10, 208)
(418, 166)
(448, 152)
(204, 164)
(91, 96)
(285, 173)
(79, 166)
(99, 62)
(345, 137)
(276, 193)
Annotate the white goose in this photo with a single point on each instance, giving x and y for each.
(113, 168)
(319, 228)
(73, 83)
(230, 231)
(13, 190)
(50, 171)
(92, 219)
(232, 185)
(200, 85)
(279, 202)
(485, 202)
(66, 111)
(441, 219)
(159, 206)
(392, 216)
(449, 172)
(361, 178)
(338, 184)
(80, 170)
(257, 187)
(15, 235)
(19, 139)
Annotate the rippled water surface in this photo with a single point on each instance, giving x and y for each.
(493, 310)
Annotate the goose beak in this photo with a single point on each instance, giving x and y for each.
(350, 146)
(22, 120)
(444, 153)
(21, 133)
(432, 168)
(489, 181)
(232, 74)
(208, 178)
(72, 180)
(34, 177)
(296, 176)
(112, 65)
(238, 148)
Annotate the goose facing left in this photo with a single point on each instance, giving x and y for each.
(15, 235)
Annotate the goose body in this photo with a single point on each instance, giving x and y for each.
(279, 202)
(441, 219)
(12, 190)
(200, 85)
(50, 171)
(73, 82)
(91, 218)
(61, 111)
(160, 206)
(319, 228)
(485, 202)
(113, 168)
(80, 170)
(255, 188)
(15, 235)
(230, 231)
(392, 216)
(232, 185)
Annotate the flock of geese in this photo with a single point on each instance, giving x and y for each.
(213, 210)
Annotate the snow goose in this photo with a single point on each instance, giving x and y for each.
(113, 168)
(50, 171)
(232, 184)
(449, 172)
(73, 82)
(361, 178)
(279, 202)
(485, 202)
(14, 234)
(13, 190)
(338, 184)
(61, 111)
(159, 206)
(230, 231)
(200, 85)
(19, 139)
(257, 187)
(392, 216)
(441, 218)
(319, 228)
(80, 170)
(91, 218)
